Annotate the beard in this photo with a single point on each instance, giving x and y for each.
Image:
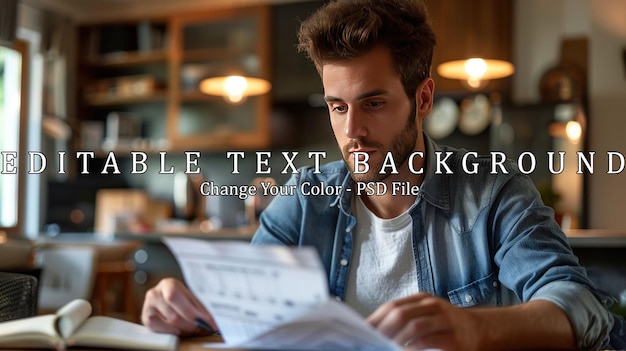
(402, 146)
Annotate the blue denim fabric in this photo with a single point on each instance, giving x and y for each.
(478, 240)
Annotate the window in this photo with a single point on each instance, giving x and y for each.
(11, 137)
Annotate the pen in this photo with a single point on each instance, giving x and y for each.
(204, 325)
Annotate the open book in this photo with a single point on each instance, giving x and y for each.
(271, 297)
(72, 326)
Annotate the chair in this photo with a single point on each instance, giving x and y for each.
(18, 296)
(113, 292)
(15, 254)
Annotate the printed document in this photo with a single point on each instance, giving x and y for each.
(271, 297)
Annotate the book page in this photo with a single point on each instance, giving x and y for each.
(71, 316)
(48, 330)
(33, 331)
(101, 331)
(250, 290)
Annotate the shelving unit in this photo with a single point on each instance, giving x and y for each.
(148, 70)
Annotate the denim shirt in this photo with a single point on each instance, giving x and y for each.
(478, 240)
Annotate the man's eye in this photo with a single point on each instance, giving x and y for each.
(340, 108)
(375, 104)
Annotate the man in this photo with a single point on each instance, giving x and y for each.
(469, 262)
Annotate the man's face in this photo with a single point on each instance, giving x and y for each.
(370, 112)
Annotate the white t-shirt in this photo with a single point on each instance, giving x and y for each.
(382, 267)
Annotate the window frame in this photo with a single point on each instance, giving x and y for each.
(16, 231)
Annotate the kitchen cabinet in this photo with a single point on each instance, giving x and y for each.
(138, 82)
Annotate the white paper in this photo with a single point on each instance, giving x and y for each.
(271, 297)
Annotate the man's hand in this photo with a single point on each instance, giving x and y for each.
(170, 307)
(425, 321)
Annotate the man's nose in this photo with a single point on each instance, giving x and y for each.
(355, 125)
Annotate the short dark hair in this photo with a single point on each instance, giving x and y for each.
(344, 29)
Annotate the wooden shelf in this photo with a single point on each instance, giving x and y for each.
(125, 152)
(151, 86)
(195, 96)
(128, 59)
(213, 54)
(105, 101)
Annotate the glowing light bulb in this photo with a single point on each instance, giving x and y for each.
(476, 68)
(574, 131)
(234, 87)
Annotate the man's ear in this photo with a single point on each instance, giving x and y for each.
(424, 97)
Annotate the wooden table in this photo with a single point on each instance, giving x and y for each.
(185, 344)
(197, 344)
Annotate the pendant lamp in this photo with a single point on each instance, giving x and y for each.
(475, 72)
(235, 88)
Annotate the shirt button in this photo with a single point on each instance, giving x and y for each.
(343, 262)
(468, 298)
(347, 229)
(495, 284)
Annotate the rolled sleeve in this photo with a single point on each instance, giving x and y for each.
(590, 319)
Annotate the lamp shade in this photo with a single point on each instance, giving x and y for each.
(475, 71)
(235, 88)
(475, 68)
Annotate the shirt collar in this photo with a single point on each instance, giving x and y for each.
(345, 196)
(435, 188)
